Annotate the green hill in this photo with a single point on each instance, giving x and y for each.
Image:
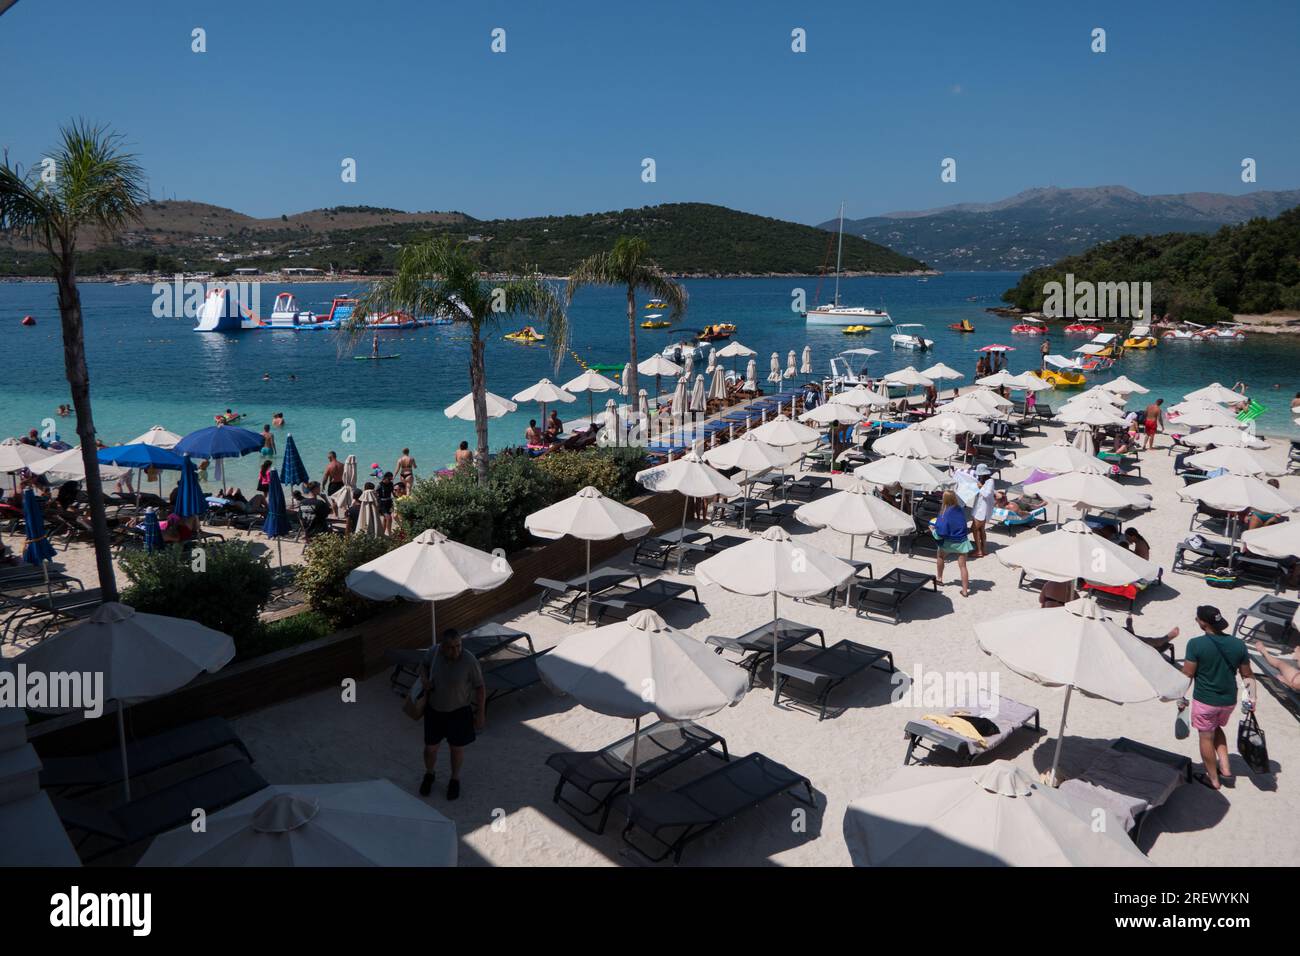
(1253, 268)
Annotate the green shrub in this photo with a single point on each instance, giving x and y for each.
(226, 592)
(286, 632)
(327, 561)
(610, 470)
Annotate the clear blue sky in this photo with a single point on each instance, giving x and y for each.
(710, 89)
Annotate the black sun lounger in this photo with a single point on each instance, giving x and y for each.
(518, 673)
(755, 647)
(143, 756)
(927, 736)
(483, 641)
(647, 597)
(602, 775)
(1130, 779)
(669, 820)
(565, 598)
(161, 810)
(886, 594)
(823, 671)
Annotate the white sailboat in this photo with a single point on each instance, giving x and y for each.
(845, 315)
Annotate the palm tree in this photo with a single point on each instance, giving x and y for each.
(91, 183)
(441, 277)
(628, 265)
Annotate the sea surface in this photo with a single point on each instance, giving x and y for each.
(148, 371)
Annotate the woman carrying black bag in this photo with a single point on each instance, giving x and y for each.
(1213, 660)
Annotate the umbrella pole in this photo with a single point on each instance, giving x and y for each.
(433, 622)
(587, 615)
(776, 635)
(1060, 734)
(681, 542)
(121, 739)
(636, 739)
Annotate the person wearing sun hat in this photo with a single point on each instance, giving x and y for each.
(1213, 660)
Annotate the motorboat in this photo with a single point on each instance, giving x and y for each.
(845, 315)
(1140, 337)
(850, 367)
(912, 340)
(679, 351)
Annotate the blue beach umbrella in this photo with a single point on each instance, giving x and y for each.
(153, 539)
(219, 441)
(190, 500)
(38, 549)
(276, 524)
(140, 456)
(292, 470)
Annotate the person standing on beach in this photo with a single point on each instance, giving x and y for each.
(406, 468)
(1045, 349)
(1213, 661)
(1153, 418)
(950, 532)
(333, 477)
(982, 510)
(384, 496)
(455, 707)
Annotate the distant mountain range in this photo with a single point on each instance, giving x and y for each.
(1040, 226)
(685, 239)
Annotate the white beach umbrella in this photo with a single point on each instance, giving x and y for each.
(430, 568)
(806, 367)
(545, 393)
(368, 516)
(641, 666)
(1083, 442)
(974, 405)
(1199, 416)
(1086, 650)
(591, 382)
(997, 380)
(831, 413)
(783, 432)
(1274, 540)
(690, 477)
(1088, 492)
(658, 366)
(157, 436)
(747, 453)
(1214, 392)
(734, 349)
(699, 401)
(463, 409)
(751, 376)
(912, 473)
(989, 815)
(774, 564)
(588, 516)
(1199, 403)
(1073, 551)
(369, 823)
(942, 373)
(16, 455)
(1099, 394)
(138, 655)
(1223, 435)
(953, 423)
(1061, 457)
(854, 511)
(791, 365)
(1238, 460)
(860, 397)
(1124, 386)
(774, 369)
(914, 442)
(68, 466)
(718, 385)
(1089, 413)
(907, 376)
(1027, 382)
(1238, 493)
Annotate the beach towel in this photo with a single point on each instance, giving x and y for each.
(966, 725)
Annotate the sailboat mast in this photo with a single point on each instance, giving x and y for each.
(839, 255)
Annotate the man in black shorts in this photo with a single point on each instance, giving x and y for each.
(455, 707)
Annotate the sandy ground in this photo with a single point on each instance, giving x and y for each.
(506, 816)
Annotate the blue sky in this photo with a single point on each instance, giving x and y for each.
(586, 89)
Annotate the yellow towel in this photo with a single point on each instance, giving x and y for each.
(957, 725)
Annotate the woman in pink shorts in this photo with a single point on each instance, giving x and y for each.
(1214, 660)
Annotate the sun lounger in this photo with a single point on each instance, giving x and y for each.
(1130, 780)
(1269, 676)
(886, 595)
(1209, 557)
(755, 647)
(143, 755)
(64, 606)
(564, 598)
(927, 736)
(773, 514)
(161, 810)
(670, 820)
(658, 551)
(602, 775)
(482, 642)
(1274, 622)
(821, 672)
(1002, 518)
(647, 597)
(29, 579)
(518, 673)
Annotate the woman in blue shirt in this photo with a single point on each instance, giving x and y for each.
(950, 532)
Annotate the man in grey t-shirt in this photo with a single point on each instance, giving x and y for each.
(455, 707)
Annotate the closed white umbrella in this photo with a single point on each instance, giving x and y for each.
(591, 382)
(678, 407)
(806, 367)
(68, 466)
(953, 423)
(990, 815)
(855, 511)
(1238, 493)
(157, 436)
(688, 366)
(1229, 436)
(138, 655)
(16, 455)
(430, 568)
(1085, 650)
(1073, 551)
(1061, 457)
(1202, 416)
(1124, 386)
(588, 516)
(613, 426)
(350, 473)
(368, 516)
(791, 365)
(1275, 540)
(639, 667)
(370, 823)
(713, 360)
(911, 473)
(1088, 492)
(718, 385)
(627, 374)
(774, 372)
(1239, 461)
(1083, 442)
(907, 376)
(913, 442)
(774, 564)
(699, 402)
(751, 376)
(1214, 392)
(463, 409)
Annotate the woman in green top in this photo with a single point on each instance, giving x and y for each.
(1213, 660)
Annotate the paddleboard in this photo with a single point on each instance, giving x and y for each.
(375, 358)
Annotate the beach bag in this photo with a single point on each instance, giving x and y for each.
(1183, 724)
(415, 701)
(1222, 577)
(1251, 744)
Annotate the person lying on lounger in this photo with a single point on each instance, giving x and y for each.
(1021, 506)
(1287, 671)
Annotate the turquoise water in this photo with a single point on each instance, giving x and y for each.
(155, 371)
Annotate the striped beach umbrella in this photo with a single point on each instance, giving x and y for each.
(190, 500)
(292, 470)
(153, 539)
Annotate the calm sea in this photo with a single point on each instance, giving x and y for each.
(155, 371)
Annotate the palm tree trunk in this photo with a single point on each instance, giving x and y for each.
(631, 337)
(478, 387)
(74, 362)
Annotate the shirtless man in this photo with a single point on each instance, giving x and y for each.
(1152, 419)
(406, 468)
(333, 477)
